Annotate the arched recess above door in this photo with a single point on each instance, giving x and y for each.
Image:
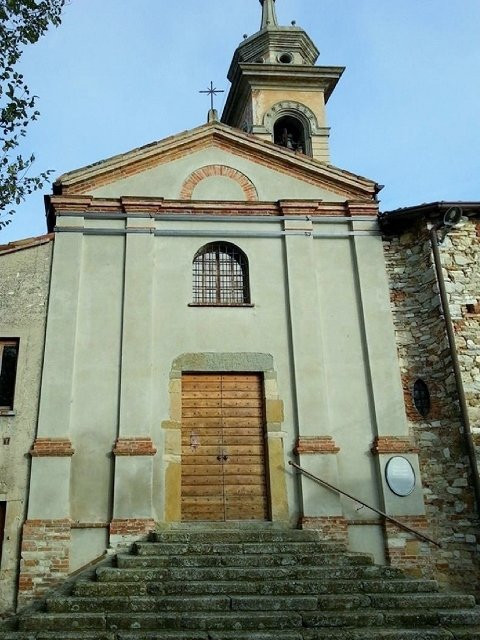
(218, 171)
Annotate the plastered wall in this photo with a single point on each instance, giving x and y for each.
(24, 276)
(312, 312)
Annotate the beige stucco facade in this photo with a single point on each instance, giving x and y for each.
(122, 330)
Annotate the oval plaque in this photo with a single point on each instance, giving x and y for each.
(400, 476)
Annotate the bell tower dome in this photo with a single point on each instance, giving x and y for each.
(277, 92)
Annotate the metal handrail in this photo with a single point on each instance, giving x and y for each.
(364, 504)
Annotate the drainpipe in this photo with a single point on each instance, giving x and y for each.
(456, 366)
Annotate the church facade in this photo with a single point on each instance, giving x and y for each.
(222, 303)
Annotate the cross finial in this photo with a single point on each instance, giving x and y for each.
(269, 15)
(212, 91)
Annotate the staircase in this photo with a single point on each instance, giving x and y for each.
(249, 584)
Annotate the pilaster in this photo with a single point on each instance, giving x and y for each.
(45, 553)
(386, 395)
(310, 381)
(134, 449)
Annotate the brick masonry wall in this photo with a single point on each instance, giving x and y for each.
(45, 558)
(423, 353)
(407, 551)
(333, 528)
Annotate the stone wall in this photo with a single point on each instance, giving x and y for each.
(25, 277)
(424, 354)
(461, 263)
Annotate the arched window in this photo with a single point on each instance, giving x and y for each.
(290, 133)
(220, 275)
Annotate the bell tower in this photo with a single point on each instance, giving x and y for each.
(277, 92)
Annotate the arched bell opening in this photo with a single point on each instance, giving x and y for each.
(292, 133)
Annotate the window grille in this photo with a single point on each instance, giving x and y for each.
(421, 398)
(220, 275)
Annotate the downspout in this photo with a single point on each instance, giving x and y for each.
(456, 365)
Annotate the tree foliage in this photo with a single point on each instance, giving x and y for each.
(22, 22)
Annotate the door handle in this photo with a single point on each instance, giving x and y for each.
(222, 456)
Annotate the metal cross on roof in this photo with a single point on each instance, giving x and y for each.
(212, 91)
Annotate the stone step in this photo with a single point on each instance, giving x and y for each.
(77, 635)
(417, 601)
(86, 588)
(231, 635)
(303, 634)
(63, 622)
(272, 587)
(115, 574)
(53, 635)
(432, 617)
(139, 603)
(198, 621)
(291, 587)
(239, 536)
(343, 619)
(274, 634)
(229, 548)
(404, 619)
(375, 634)
(242, 560)
(179, 604)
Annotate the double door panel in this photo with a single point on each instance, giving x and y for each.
(223, 448)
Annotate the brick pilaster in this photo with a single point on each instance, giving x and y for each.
(45, 557)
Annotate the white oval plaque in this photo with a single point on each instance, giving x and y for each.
(400, 476)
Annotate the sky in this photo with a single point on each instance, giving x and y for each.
(118, 74)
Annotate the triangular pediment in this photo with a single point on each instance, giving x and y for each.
(230, 164)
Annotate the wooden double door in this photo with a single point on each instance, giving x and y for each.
(223, 448)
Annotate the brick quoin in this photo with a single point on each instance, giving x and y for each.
(134, 447)
(197, 176)
(316, 444)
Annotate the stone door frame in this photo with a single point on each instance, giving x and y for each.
(261, 363)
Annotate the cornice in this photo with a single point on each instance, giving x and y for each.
(89, 206)
(249, 76)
